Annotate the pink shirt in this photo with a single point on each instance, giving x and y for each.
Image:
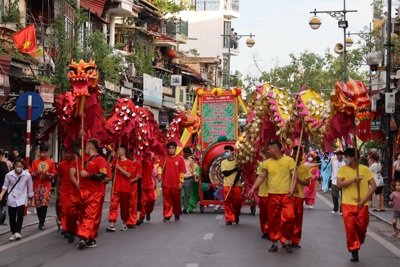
(395, 198)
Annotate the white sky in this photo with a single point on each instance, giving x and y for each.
(281, 27)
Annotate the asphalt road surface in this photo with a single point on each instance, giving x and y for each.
(199, 240)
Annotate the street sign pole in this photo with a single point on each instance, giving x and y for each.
(29, 108)
(28, 132)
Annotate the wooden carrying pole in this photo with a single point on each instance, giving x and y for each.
(115, 170)
(292, 184)
(357, 169)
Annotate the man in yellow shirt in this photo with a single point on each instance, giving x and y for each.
(303, 176)
(278, 170)
(358, 185)
(232, 187)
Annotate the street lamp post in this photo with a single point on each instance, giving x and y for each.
(387, 178)
(249, 42)
(315, 22)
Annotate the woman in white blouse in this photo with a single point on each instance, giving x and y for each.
(376, 167)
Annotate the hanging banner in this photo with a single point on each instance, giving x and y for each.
(219, 116)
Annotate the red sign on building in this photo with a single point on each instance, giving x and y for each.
(47, 91)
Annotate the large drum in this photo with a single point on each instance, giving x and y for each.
(211, 164)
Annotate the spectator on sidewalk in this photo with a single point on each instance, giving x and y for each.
(336, 191)
(395, 202)
(376, 167)
(19, 186)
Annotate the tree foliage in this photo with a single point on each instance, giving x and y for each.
(313, 70)
(170, 7)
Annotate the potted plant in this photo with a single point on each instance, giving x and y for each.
(12, 15)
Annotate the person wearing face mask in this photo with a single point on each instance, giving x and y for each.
(310, 191)
(232, 186)
(326, 171)
(357, 184)
(18, 183)
(43, 171)
(336, 192)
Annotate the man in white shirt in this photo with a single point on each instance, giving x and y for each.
(18, 183)
(336, 192)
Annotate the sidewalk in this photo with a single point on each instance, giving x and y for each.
(32, 219)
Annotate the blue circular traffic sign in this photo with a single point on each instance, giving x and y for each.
(22, 106)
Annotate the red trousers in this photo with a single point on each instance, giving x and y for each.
(73, 210)
(263, 205)
(355, 224)
(119, 199)
(93, 234)
(148, 200)
(172, 202)
(233, 203)
(64, 209)
(89, 219)
(132, 208)
(280, 216)
(298, 220)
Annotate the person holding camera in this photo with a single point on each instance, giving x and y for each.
(19, 187)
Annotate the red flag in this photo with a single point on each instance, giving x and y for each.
(25, 40)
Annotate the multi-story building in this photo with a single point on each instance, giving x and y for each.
(211, 23)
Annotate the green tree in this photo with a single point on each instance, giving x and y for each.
(313, 70)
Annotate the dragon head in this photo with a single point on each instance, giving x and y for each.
(352, 97)
(83, 76)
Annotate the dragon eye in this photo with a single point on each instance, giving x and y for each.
(89, 70)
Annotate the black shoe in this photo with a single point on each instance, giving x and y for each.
(354, 255)
(71, 238)
(66, 235)
(166, 219)
(82, 244)
(237, 220)
(185, 212)
(91, 243)
(177, 217)
(295, 245)
(131, 226)
(41, 226)
(288, 248)
(139, 222)
(148, 218)
(265, 236)
(273, 248)
(228, 223)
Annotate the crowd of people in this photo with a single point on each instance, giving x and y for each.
(284, 186)
(81, 185)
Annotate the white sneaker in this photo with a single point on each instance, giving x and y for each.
(28, 212)
(311, 207)
(17, 236)
(124, 227)
(333, 212)
(216, 207)
(12, 238)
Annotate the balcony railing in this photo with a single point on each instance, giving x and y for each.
(215, 6)
(179, 27)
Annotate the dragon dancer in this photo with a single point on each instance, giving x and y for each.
(91, 187)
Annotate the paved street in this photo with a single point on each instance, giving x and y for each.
(203, 240)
